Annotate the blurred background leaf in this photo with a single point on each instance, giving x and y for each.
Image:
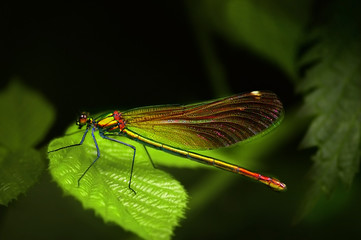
(25, 119)
(333, 95)
(26, 116)
(19, 170)
(274, 30)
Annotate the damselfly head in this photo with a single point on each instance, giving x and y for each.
(84, 119)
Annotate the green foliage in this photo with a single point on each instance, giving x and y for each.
(271, 29)
(26, 116)
(333, 95)
(25, 119)
(151, 213)
(275, 31)
(18, 171)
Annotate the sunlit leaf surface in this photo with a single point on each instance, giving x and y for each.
(151, 213)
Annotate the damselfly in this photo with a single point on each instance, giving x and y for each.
(176, 129)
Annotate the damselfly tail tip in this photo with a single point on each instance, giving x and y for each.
(277, 185)
(273, 183)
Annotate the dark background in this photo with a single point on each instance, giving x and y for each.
(97, 56)
(100, 56)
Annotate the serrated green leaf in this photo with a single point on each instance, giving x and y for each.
(152, 213)
(272, 29)
(334, 87)
(18, 171)
(25, 118)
